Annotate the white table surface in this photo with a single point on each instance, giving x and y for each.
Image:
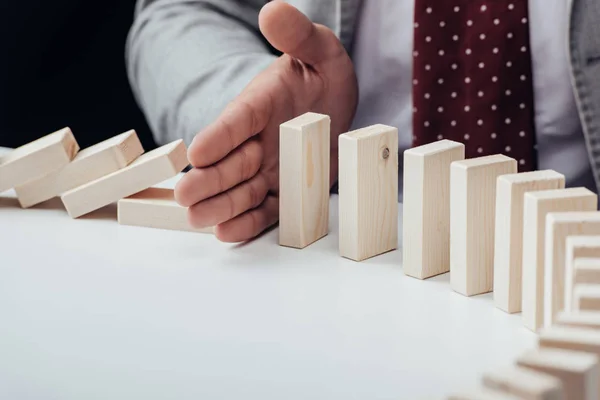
(93, 310)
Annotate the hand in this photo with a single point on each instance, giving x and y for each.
(234, 184)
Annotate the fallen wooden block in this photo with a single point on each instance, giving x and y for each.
(524, 383)
(89, 164)
(147, 170)
(536, 206)
(368, 192)
(426, 208)
(155, 208)
(472, 218)
(508, 246)
(578, 372)
(558, 227)
(304, 168)
(37, 159)
(586, 297)
(579, 270)
(579, 319)
(482, 394)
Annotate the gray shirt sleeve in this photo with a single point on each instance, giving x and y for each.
(186, 59)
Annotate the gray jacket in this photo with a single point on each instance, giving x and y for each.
(187, 59)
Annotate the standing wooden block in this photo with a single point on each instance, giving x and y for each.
(586, 297)
(368, 192)
(508, 247)
(537, 206)
(472, 218)
(579, 319)
(558, 227)
(579, 247)
(578, 372)
(37, 159)
(525, 383)
(155, 208)
(89, 164)
(426, 208)
(304, 166)
(149, 169)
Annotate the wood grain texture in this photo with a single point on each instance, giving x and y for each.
(304, 169)
(472, 218)
(508, 246)
(536, 206)
(524, 383)
(584, 249)
(147, 170)
(558, 227)
(579, 319)
(156, 208)
(586, 297)
(37, 159)
(426, 208)
(89, 164)
(368, 192)
(578, 372)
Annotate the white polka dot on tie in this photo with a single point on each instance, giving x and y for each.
(469, 23)
(415, 82)
(416, 25)
(495, 50)
(414, 137)
(453, 95)
(483, 7)
(427, 95)
(494, 79)
(482, 36)
(468, 51)
(441, 52)
(442, 24)
(428, 67)
(523, 49)
(428, 10)
(454, 66)
(415, 53)
(511, 6)
(440, 109)
(480, 93)
(522, 133)
(440, 137)
(494, 107)
(496, 21)
(440, 81)
(467, 108)
(467, 136)
(509, 35)
(426, 124)
(493, 136)
(428, 39)
(481, 65)
(507, 148)
(508, 92)
(522, 106)
(524, 20)
(523, 78)
(509, 64)
(456, 9)
(522, 162)
(480, 122)
(507, 121)
(467, 80)
(455, 38)
(453, 123)
(414, 109)
(479, 150)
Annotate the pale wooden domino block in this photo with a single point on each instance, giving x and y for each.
(578, 372)
(579, 319)
(147, 170)
(426, 208)
(586, 270)
(558, 227)
(482, 394)
(368, 192)
(155, 208)
(89, 164)
(536, 206)
(472, 218)
(524, 383)
(304, 166)
(508, 247)
(586, 297)
(35, 160)
(580, 247)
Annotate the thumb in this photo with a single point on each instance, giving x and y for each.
(291, 32)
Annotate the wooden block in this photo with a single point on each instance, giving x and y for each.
(37, 159)
(482, 394)
(585, 251)
(89, 164)
(586, 297)
(304, 167)
(147, 170)
(579, 319)
(536, 206)
(508, 246)
(426, 208)
(558, 227)
(155, 208)
(368, 192)
(578, 372)
(524, 383)
(472, 218)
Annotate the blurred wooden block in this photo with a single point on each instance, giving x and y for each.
(578, 372)
(536, 206)
(37, 159)
(579, 319)
(426, 208)
(155, 208)
(586, 297)
(558, 227)
(147, 170)
(579, 270)
(524, 383)
(472, 218)
(578, 247)
(304, 168)
(482, 394)
(368, 192)
(89, 164)
(508, 247)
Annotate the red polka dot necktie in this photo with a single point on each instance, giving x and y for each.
(472, 77)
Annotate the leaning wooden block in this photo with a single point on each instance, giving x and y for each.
(155, 208)
(304, 167)
(524, 383)
(426, 208)
(579, 319)
(578, 372)
(558, 227)
(472, 218)
(586, 297)
(536, 206)
(508, 246)
(37, 159)
(482, 394)
(89, 164)
(368, 192)
(149, 169)
(582, 264)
